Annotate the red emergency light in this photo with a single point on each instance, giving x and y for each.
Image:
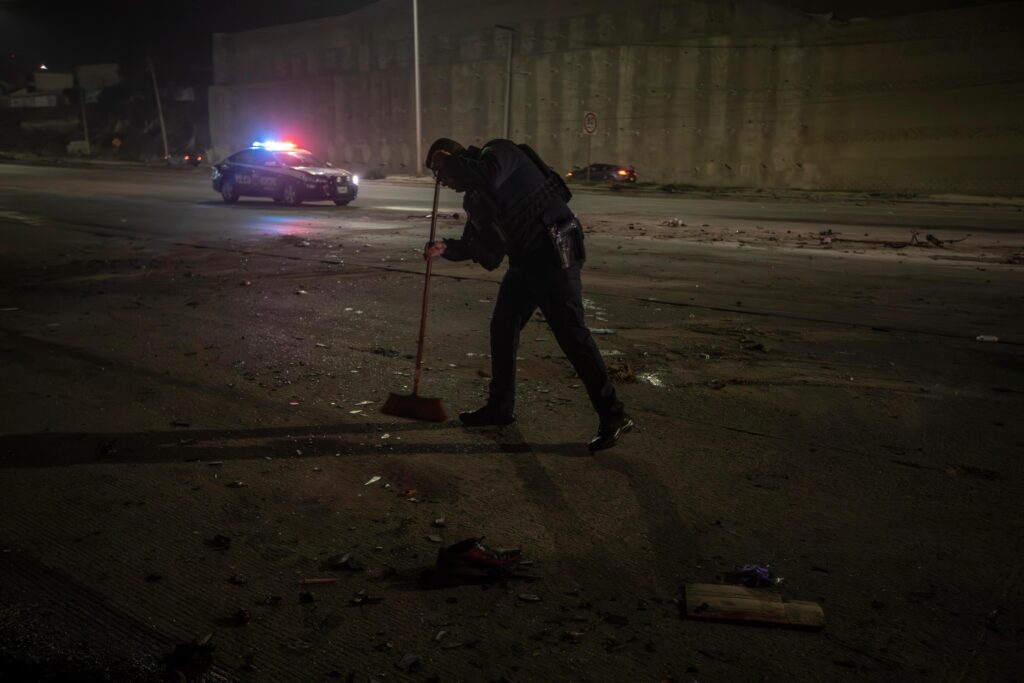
(273, 145)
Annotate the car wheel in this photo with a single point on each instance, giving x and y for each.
(290, 195)
(228, 191)
(341, 202)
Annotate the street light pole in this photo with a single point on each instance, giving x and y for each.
(85, 124)
(159, 110)
(416, 77)
(508, 77)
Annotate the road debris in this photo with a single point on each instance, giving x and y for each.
(307, 597)
(715, 602)
(409, 663)
(652, 378)
(235, 484)
(439, 523)
(987, 338)
(343, 562)
(270, 601)
(361, 598)
(372, 480)
(318, 581)
(750, 575)
(621, 371)
(528, 597)
(472, 554)
(191, 660)
(219, 542)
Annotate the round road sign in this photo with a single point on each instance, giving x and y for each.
(589, 122)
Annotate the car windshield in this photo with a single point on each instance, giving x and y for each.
(297, 158)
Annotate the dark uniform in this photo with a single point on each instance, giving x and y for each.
(517, 207)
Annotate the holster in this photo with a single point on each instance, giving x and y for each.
(567, 238)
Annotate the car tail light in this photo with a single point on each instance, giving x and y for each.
(622, 172)
(187, 157)
(199, 158)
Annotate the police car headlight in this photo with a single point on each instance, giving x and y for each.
(355, 180)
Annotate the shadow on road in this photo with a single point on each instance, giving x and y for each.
(185, 445)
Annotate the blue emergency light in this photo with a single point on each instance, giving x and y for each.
(273, 145)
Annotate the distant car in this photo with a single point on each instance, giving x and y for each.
(285, 173)
(187, 159)
(614, 172)
(192, 158)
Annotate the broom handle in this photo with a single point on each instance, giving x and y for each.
(426, 294)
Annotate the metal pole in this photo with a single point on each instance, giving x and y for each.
(590, 143)
(416, 63)
(508, 78)
(85, 124)
(159, 110)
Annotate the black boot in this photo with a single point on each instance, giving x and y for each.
(488, 416)
(609, 431)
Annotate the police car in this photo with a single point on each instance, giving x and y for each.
(283, 172)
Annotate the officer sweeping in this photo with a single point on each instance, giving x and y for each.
(518, 207)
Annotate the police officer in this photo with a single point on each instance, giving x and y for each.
(517, 207)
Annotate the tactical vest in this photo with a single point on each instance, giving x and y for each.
(508, 218)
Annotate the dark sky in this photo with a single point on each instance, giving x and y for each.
(177, 33)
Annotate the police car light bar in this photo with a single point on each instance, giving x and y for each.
(273, 145)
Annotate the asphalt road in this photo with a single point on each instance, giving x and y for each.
(178, 206)
(176, 369)
(180, 202)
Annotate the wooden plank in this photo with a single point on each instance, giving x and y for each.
(740, 604)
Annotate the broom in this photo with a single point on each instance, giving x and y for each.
(415, 406)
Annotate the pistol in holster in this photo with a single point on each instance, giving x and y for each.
(567, 238)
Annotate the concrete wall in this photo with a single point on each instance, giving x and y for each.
(704, 92)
